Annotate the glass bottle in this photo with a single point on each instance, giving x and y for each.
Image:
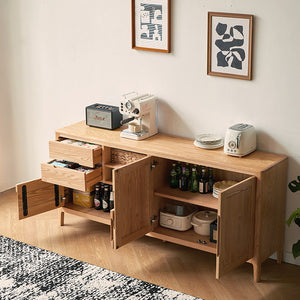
(210, 180)
(183, 181)
(203, 182)
(194, 186)
(178, 170)
(173, 177)
(188, 175)
(105, 202)
(97, 197)
(111, 198)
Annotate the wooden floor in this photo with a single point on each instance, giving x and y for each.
(176, 267)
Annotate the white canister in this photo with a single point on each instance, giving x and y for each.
(201, 221)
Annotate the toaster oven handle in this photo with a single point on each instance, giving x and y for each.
(238, 138)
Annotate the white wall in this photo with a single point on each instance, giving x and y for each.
(57, 56)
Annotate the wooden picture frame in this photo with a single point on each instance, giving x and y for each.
(229, 45)
(151, 25)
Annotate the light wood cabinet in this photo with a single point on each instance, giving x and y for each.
(250, 214)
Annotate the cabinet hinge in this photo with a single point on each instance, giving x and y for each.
(153, 219)
(153, 164)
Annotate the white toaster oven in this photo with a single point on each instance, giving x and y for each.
(240, 140)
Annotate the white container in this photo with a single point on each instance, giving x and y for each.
(240, 140)
(201, 221)
(180, 223)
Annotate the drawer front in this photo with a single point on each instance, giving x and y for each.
(81, 155)
(70, 178)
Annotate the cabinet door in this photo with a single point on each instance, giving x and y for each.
(132, 196)
(235, 226)
(37, 196)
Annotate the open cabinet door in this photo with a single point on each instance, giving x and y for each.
(235, 226)
(37, 196)
(132, 196)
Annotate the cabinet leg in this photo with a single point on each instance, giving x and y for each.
(256, 271)
(62, 218)
(279, 256)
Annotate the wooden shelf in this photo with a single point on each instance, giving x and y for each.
(113, 165)
(88, 213)
(206, 200)
(107, 182)
(186, 238)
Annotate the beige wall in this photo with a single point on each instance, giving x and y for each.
(57, 56)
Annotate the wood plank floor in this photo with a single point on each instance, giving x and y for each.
(176, 267)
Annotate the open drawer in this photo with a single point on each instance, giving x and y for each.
(70, 178)
(84, 156)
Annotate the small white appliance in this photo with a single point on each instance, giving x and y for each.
(240, 140)
(141, 110)
(180, 223)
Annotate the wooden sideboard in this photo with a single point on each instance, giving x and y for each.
(250, 214)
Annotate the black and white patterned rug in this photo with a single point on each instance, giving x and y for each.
(28, 272)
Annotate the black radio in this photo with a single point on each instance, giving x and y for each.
(103, 116)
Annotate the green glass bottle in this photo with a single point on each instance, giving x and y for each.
(194, 186)
(210, 180)
(187, 169)
(178, 169)
(183, 182)
(173, 177)
(188, 176)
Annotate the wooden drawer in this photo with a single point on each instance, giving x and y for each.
(69, 177)
(81, 155)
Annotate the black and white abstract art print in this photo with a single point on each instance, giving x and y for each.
(151, 24)
(31, 273)
(230, 45)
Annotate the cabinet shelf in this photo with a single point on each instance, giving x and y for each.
(206, 200)
(107, 182)
(88, 213)
(186, 238)
(113, 165)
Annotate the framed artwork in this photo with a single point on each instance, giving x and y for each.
(151, 29)
(229, 47)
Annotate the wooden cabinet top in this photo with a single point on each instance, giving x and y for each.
(173, 147)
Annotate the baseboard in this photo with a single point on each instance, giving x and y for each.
(288, 258)
(7, 190)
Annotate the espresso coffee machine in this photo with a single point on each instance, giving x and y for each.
(141, 113)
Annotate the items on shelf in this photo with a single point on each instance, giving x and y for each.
(219, 186)
(194, 179)
(100, 197)
(80, 143)
(177, 216)
(72, 165)
(202, 220)
(84, 199)
(213, 236)
(104, 197)
(97, 197)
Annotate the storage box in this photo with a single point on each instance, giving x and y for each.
(83, 199)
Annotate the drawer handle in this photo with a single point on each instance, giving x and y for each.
(56, 192)
(24, 200)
